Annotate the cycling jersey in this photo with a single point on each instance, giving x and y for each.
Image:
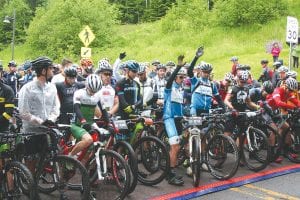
(279, 99)
(239, 95)
(147, 91)
(173, 101)
(255, 94)
(66, 93)
(159, 86)
(6, 105)
(129, 94)
(203, 91)
(37, 103)
(107, 96)
(87, 104)
(12, 81)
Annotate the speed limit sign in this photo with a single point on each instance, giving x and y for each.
(292, 30)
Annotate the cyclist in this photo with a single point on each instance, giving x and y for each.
(146, 85)
(267, 73)
(86, 65)
(87, 103)
(65, 91)
(129, 91)
(6, 105)
(118, 66)
(109, 99)
(225, 84)
(173, 107)
(60, 77)
(282, 75)
(202, 88)
(276, 77)
(238, 99)
(38, 104)
(27, 67)
(159, 83)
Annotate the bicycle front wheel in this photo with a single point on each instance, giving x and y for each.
(222, 157)
(64, 177)
(255, 150)
(153, 160)
(196, 161)
(23, 182)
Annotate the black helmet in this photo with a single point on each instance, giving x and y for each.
(264, 61)
(206, 67)
(243, 67)
(170, 64)
(268, 87)
(155, 62)
(12, 63)
(41, 63)
(70, 71)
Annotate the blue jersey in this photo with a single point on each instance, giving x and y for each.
(203, 91)
(173, 101)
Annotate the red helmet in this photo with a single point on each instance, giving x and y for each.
(86, 62)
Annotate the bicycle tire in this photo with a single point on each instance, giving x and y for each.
(22, 176)
(161, 164)
(130, 157)
(59, 171)
(278, 142)
(224, 162)
(259, 142)
(115, 161)
(196, 161)
(293, 149)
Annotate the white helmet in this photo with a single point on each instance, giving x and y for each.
(228, 76)
(291, 84)
(182, 71)
(292, 74)
(94, 83)
(283, 69)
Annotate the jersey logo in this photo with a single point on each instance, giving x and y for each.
(241, 97)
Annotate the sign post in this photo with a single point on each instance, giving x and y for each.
(86, 36)
(292, 29)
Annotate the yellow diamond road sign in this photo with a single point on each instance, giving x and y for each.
(86, 36)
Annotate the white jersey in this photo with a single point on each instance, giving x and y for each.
(159, 86)
(147, 89)
(107, 96)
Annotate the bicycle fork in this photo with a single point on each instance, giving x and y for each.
(195, 133)
(251, 148)
(104, 164)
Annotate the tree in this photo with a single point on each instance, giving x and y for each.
(54, 30)
(23, 17)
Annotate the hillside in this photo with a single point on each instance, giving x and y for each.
(146, 42)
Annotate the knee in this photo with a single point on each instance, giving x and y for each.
(87, 138)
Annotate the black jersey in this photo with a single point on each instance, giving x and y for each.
(238, 97)
(6, 105)
(66, 93)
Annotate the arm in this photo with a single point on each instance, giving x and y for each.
(227, 101)
(278, 102)
(251, 104)
(115, 107)
(173, 75)
(116, 66)
(56, 109)
(199, 53)
(8, 106)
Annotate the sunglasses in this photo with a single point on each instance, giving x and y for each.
(134, 71)
(181, 77)
(107, 74)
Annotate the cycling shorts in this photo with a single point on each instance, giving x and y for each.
(173, 127)
(77, 132)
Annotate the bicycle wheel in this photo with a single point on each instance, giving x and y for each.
(153, 160)
(255, 150)
(196, 161)
(127, 152)
(64, 177)
(112, 178)
(222, 157)
(23, 182)
(292, 151)
(276, 149)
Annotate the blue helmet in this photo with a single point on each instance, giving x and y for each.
(27, 65)
(133, 66)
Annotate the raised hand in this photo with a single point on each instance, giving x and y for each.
(200, 51)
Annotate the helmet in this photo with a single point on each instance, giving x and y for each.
(291, 83)
(187, 65)
(268, 87)
(27, 65)
(243, 67)
(103, 65)
(229, 77)
(94, 83)
(243, 76)
(234, 58)
(142, 68)
(292, 74)
(86, 62)
(155, 62)
(206, 67)
(264, 61)
(170, 64)
(12, 63)
(277, 64)
(41, 63)
(182, 71)
(160, 66)
(132, 66)
(283, 69)
(71, 71)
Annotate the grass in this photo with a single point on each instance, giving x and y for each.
(146, 42)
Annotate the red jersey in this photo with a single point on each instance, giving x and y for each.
(279, 99)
